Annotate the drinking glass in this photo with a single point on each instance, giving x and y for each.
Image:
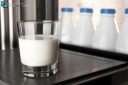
(39, 47)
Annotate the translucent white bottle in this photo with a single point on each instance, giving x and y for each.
(67, 25)
(122, 39)
(84, 29)
(105, 35)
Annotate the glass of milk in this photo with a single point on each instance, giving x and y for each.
(39, 47)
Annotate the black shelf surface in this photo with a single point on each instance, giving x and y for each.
(74, 68)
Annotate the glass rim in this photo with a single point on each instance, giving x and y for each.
(40, 21)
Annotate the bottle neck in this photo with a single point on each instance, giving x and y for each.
(66, 16)
(107, 18)
(125, 18)
(86, 14)
(107, 15)
(67, 13)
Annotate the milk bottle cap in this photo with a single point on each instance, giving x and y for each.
(87, 10)
(126, 11)
(67, 9)
(108, 11)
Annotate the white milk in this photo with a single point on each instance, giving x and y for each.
(38, 50)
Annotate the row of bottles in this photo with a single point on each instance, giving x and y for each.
(105, 36)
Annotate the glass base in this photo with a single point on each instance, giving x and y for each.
(42, 71)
